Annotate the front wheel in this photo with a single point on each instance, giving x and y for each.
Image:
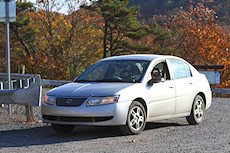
(197, 112)
(62, 128)
(136, 119)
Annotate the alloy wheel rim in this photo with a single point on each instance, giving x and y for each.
(136, 118)
(198, 111)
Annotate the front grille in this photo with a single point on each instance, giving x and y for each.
(76, 119)
(69, 101)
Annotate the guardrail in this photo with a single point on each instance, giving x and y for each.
(26, 96)
(54, 82)
(28, 85)
(26, 89)
(219, 91)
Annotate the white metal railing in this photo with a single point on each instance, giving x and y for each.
(1, 85)
(19, 80)
(23, 80)
(17, 75)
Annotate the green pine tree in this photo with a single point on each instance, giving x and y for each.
(120, 22)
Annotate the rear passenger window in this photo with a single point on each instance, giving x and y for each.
(180, 69)
(187, 68)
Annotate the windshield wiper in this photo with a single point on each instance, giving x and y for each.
(104, 80)
(82, 81)
(109, 80)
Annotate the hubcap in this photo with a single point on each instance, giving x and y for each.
(136, 118)
(199, 110)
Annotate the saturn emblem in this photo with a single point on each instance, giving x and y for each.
(69, 101)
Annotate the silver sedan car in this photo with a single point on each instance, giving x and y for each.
(128, 91)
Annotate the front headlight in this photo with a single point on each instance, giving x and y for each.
(49, 100)
(102, 100)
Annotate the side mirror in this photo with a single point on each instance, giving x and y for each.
(155, 80)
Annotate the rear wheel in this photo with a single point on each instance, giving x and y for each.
(63, 128)
(136, 119)
(197, 111)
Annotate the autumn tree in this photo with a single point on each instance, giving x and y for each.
(2, 48)
(67, 43)
(22, 33)
(201, 40)
(55, 45)
(20, 36)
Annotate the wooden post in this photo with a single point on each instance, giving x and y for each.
(29, 114)
(29, 108)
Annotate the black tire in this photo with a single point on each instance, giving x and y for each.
(63, 128)
(136, 119)
(197, 112)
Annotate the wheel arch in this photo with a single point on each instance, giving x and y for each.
(142, 101)
(203, 96)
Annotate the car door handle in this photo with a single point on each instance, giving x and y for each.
(190, 83)
(171, 87)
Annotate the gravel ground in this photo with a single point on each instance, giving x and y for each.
(174, 135)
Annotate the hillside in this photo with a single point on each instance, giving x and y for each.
(150, 7)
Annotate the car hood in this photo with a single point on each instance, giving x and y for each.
(89, 89)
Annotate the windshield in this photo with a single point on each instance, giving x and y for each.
(114, 71)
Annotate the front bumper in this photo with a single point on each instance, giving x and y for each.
(101, 115)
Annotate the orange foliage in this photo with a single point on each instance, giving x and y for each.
(64, 45)
(201, 39)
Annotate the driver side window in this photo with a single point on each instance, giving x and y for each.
(161, 70)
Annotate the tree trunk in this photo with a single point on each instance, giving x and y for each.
(105, 39)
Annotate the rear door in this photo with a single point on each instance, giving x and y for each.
(184, 85)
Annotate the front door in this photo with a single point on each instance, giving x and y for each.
(162, 95)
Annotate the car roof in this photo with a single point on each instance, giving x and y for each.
(146, 57)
